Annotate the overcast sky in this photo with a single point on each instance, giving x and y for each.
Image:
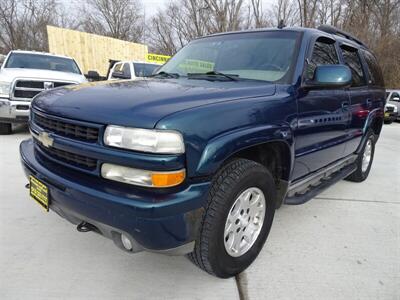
(151, 6)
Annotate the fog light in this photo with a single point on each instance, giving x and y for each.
(126, 242)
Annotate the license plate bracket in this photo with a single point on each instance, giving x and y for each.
(39, 192)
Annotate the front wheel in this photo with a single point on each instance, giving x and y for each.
(237, 219)
(364, 160)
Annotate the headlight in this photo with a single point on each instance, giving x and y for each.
(142, 177)
(395, 109)
(145, 140)
(5, 89)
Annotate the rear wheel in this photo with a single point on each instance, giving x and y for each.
(5, 128)
(364, 160)
(237, 220)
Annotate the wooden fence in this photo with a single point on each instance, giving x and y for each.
(92, 51)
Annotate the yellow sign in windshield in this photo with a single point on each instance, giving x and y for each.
(196, 66)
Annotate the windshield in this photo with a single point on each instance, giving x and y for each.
(42, 62)
(267, 56)
(144, 70)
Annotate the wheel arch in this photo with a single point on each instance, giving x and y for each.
(271, 146)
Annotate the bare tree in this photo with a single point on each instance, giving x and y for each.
(286, 11)
(120, 19)
(23, 23)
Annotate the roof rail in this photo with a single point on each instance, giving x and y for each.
(333, 30)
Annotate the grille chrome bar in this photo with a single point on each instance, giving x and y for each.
(69, 157)
(26, 89)
(63, 128)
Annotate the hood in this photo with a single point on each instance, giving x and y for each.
(9, 74)
(142, 103)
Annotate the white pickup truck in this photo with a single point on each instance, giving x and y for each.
(132, 70)
(24, 74)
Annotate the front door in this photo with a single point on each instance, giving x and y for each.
(323, 116)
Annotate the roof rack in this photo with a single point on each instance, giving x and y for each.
(333, 30)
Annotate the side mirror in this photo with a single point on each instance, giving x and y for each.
(395, 99)
(330, 76)
(93, 76)
(120, 75)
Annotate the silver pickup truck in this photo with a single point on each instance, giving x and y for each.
(24, 74)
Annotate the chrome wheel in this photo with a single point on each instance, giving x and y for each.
(244, 221)
(366, 156)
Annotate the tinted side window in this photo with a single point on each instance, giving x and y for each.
(324, 54)
(118, 68)
(352, 60)
(374, 71)
(126, 70)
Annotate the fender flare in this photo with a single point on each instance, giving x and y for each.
(224, 146)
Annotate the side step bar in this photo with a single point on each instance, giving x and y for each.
(301, 192)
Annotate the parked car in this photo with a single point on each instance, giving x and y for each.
(132, 70)
(393, 98)
(23, 75)
(195, 159)
(391, 113)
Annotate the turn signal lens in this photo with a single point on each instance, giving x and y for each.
(167, 179)
(142, 177)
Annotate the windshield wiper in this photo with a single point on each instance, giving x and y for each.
(165, 74)
(231, 77)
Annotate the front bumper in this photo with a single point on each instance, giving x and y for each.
(391, 116)
(153, 221)
(14, 111)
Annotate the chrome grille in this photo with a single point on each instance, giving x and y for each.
(25, 89)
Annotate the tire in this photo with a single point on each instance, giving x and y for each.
(235, 178)
(5, 128)
(360, 174)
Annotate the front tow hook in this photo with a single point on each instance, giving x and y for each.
(86, 227)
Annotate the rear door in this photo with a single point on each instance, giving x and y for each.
(323, 115)
(366, 94)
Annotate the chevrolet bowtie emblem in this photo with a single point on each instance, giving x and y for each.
(45, 139)
(48, 85)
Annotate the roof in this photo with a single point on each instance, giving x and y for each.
(312, 31)
(39, 53)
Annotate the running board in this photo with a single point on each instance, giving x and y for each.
(316, 186)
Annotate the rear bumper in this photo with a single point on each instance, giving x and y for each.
(153, 221)
(14, 111)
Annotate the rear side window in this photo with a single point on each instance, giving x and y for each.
(353, 61)
(118, 68)
(374, 71)
(126, 70)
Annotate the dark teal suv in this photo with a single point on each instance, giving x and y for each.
(196, 159)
